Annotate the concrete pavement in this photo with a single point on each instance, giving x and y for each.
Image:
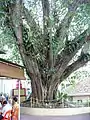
(74, 117)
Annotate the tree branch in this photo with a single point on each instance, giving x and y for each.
(30, 63)
(81, 61)
(15, 20)
(47, 37)
(65, 57)
(76, 3)
(31, 22)
(17, 28)
(45, 7)
(46, 12)
(71, 49)
(62, 30)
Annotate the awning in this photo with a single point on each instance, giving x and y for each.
(11, 71)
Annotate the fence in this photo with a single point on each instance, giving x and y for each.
(35, 103)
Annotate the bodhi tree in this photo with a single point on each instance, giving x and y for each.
(49, 34)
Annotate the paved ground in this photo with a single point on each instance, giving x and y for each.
(75, 117)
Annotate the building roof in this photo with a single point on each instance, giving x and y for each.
(11, 70)
(81, 88)
(9, 62)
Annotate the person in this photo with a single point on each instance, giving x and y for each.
(10, 101)
(6, 108)
(15, 103)
(0, 106)
(3, 98)
(15, 108)
(7, 98)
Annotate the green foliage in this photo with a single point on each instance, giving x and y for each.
(27, 42)
(71, 46)
(33, 35)
(78, 75)
(61, 96)
(84, 57)
(80, 21)
(8, 44)
(31, 40)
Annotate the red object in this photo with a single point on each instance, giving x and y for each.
(17, 85)
(7, 115)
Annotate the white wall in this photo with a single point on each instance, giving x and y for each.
(54, 112)
(7, 84)
(83, 98)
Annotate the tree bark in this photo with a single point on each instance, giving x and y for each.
(29, 62)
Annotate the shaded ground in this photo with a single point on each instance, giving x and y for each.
(74, 117)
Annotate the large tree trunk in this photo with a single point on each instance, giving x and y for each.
(29, 63)
(36, 82)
